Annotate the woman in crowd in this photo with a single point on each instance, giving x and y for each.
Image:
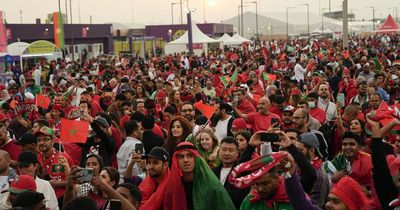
(179, 129)
(207, 143)
(174, 99)
(243, 139)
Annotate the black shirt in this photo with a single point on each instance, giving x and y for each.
(151, 140)
(188, 191)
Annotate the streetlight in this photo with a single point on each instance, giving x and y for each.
(180, 2)
(255, 2)
(190, 32)
(345, 25)
(172, 12)
(308, 17)
(373, 17)
(241, 14)
(322, 11)
(287, 21)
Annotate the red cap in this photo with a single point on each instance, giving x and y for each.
(160, 95)
(351, 194)
(22, 183)
(239, 123)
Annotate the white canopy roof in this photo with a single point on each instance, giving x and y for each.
(228, 40)
(198, 37)
(319, 31)
(17, 48)
(240, 39)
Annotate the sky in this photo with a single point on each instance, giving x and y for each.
(159, 11)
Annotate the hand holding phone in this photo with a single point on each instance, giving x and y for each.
(86, 175)
(139, 148)
(269, 137)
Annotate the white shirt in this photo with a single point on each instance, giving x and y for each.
(221, 129)
(77, 97)
(50, 198)
(124, 154)
(224, 174)
(299, 72)
(329, 108)
(36, 76)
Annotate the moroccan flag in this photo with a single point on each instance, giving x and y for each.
(225, 80)
(268, 77)
(205, 109)
(12, 104)
(42, 101)
(58, 30)
(377, 63)
(3, 34)
(73, 131)
(234, 76)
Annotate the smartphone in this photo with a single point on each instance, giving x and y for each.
(139, 148)
(269, 137)
(340, 98)
(115, 204)
(86, 174)
(275, 121)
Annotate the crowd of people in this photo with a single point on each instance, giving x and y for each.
(294, 124)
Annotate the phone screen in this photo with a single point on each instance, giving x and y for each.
(269, 137)
(139, 148)
(275, 121)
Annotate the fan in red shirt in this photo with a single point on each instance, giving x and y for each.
(244, 105)
(260, 120)
(317, 113)
(347, 86)
(52, 161)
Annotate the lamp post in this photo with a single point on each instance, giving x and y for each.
(241, 14)
(180, 2)
(322, 21)
(345, 25)
(190, 32)
(308, 17)
(287, 21)
(373, 17)
(255, 2)
(239, 19)
(172, 12)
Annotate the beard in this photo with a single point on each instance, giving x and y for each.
(154, 174)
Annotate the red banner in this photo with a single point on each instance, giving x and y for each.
(3, 34)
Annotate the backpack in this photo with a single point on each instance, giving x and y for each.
(328, 131)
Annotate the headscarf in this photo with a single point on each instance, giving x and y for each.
(208, 193)
(351, 194)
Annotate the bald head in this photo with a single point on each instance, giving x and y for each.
(5, 155)
(263, 105)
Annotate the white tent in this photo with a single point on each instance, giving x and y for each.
(228, 40)
(17, 48)
(319, 31)
(240, 39)
(201, 42)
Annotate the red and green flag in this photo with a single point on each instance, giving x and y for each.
(42, 101)
(58, 30)
(73, 131)
(234, 76)
(268, 77)
(225, 80)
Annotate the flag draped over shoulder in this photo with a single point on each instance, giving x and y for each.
(73, 131)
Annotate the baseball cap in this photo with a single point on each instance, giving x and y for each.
(26, 158)
(239, 123)
(22, 184)
(289, 108)
(27, 138)
(311, 140)
(103, 122)
(158, 153)
(46, 131)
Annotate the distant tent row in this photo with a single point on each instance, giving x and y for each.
(201, 42)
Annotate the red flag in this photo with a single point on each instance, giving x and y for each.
(205, 109)
(42, 101)
(73, 131)
(12, 104)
